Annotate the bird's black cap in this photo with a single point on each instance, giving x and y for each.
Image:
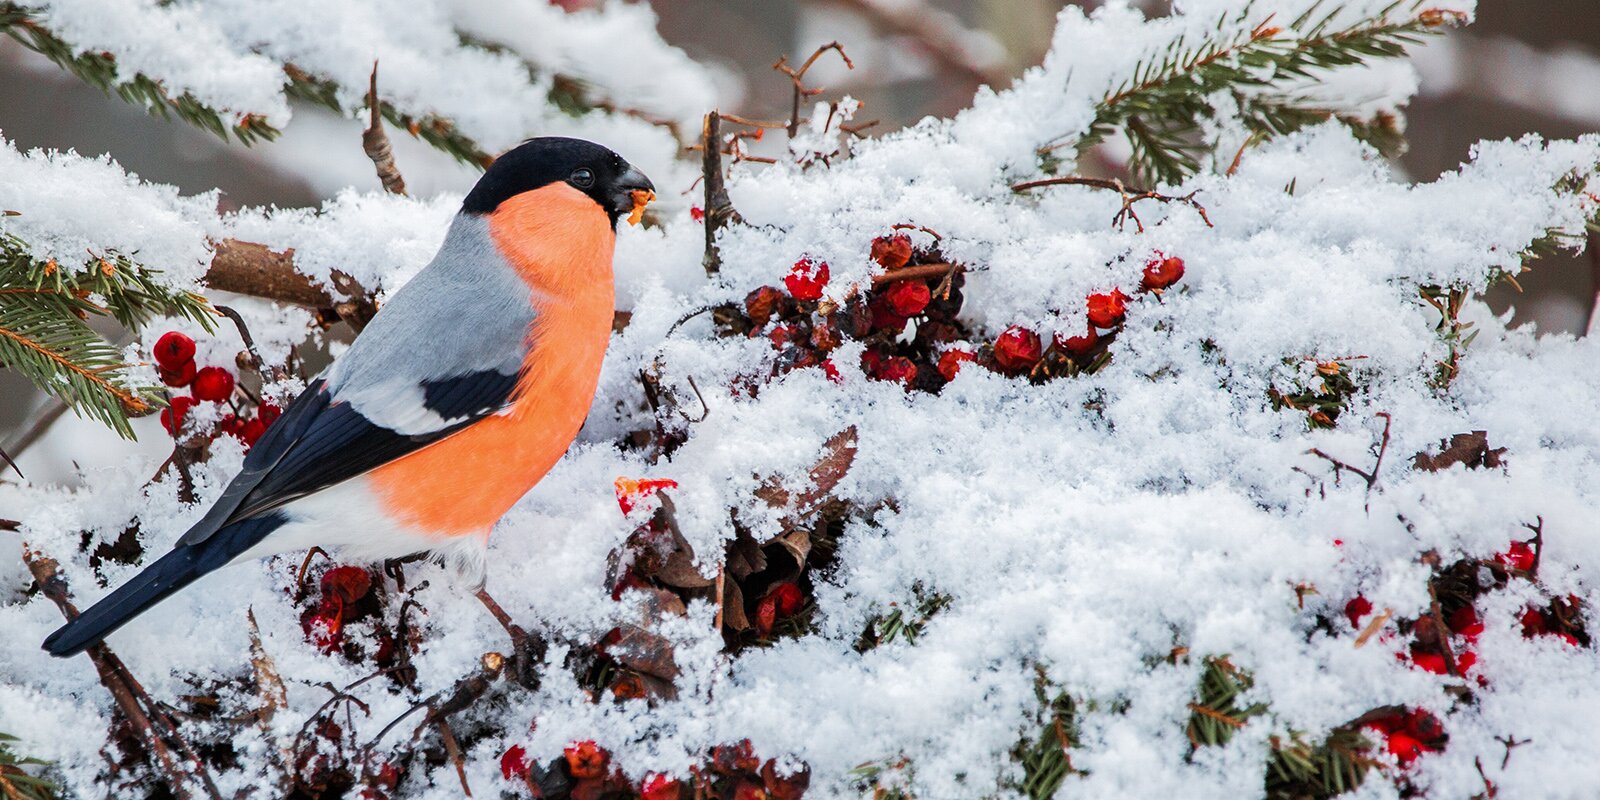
(593, 169)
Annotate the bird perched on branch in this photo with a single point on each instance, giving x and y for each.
(459, 396)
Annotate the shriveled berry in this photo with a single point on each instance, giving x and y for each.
(892, 252)
(831, 371)
(749, 790)
(807, 278)
(514, 763)
(1080, 344)
(732, 759)
(895, 368)
(884, 317)
(179, 376)
(1107, 310)
(1357, 608)
(212, 383)
(907, 298)
(173, 350)
(1018, 349)
(761, 304)
(324, 626)
(173, 416)
(586, 759)
(788, 599)
(1161, 271)
(631, 490)
(950, 362)
(784, 335)
(349, 584)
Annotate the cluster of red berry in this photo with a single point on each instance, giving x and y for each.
(1408, 734)
(585, 771)
(343, 590)
(804, 328)
(174, 354)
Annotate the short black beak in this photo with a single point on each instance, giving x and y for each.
(631, 193)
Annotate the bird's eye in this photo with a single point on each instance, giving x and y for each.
(582, 178)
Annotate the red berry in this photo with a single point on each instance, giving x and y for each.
(1357, 608)
(660, 787)
(950, 363)
(1161, 272)
(250, 432)
(173, 350)
(268, 413)
(1430, 662)
(749, 790)
(586, 759)
(1464, 621)
(1081, 344)
(788, 598)
(907, 298)
(1569, 638)
(349, 584)
(179, 376)
(1404, 746)
(806, 279)
(173, 416)
(1518, 557)
(1018, 349)
(212, 383)
(1386, 724)
(831, 371)
(783, 335)
(514, 763)
(892, 252)
(697, 214)
(1107, 310)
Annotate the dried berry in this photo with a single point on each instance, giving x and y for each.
(660, 787)
(1107, 310)
(1017, 349)
(1464, 621)
(1161, 271)
(761, 304)
(586, 759)
(950, 362)
(173, 350)
(788, 599)
(212, 383)
(349, 584)
(631, 490)
(1080, 344)
(893, 368)
(173, 416)
(324, 625)
(1423, 725)
(907, 298)
(179, 376)
(884, 317)
(749, 790)
(807, 278)
(892, 252)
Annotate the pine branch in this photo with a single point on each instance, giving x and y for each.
(44, 335)
(16, 784)
(1161, 108)
(1216, 715)
(439, 132)
(100, 71)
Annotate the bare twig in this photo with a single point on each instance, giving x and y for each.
(11, 464)
(136, 706)
(1373, 627)
(10, 525)
(1371, 478)
(1538, 544)
(797, 76)
(918, 272)
(376, 142)
(1130, 195)
(705, 410)
(1441, 631)
(719, 211)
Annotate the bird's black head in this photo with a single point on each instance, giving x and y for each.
(588, 167)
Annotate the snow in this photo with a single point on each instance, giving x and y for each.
(1084, 527)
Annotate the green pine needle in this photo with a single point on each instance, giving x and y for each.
(16, 783)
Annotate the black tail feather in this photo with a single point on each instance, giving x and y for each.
(173, 571)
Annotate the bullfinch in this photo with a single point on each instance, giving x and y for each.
(459, 396)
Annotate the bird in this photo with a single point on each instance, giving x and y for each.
(459, 396)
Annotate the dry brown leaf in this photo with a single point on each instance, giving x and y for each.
(1471, 449)
(733, 616)
(838, 453)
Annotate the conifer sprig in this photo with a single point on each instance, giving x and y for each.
(1162, 106)
(16, 784)
(45, 336)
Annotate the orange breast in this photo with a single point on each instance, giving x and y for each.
(560, 242)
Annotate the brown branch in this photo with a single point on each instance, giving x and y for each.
(10, 525)
(1129, 196)
(1441, 631)
(936, 33)
(376, 142)
(797, 76)
(918, 272)
(719, 211)
(130, 697)
(258, 271)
